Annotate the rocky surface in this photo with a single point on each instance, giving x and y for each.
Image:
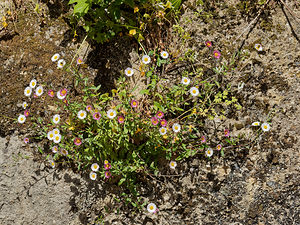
(259, 185)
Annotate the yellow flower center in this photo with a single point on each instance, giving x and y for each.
(216, 54)
(39, 91)
(52, 163)
(57, 138)
(63, 92)
(185, 81)
(56, 118)
(81, 114)
(28, 91)
(111, 114)
(163, 122)
(134, 103)
(121, 119)
(176, 127)
(22, 119)
(194, 91)
(51, 135)
(172, 164)
(162, 130)
(55, 57)
(78, 141)
(265, 126)
(129, 71)
(33, 83)
(164, 54)
(95, 166)
(208, 152)
(146, 59)
(105, 162)
(93, 175)
(151, 207)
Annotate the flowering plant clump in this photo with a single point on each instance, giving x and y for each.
(129, 134)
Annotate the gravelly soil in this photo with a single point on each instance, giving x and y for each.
(259, 186)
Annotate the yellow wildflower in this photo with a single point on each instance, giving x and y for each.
(194, 111)
(132, 32)
(136, 9)
(191, 128)
(4, 24)
(165, 136)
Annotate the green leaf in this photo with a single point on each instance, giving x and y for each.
(82, 7)
(121, 181)
(145, 91)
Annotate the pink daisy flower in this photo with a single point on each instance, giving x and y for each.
(26, 113)
(66, 102)
(121, 119)
(159, 114)
(77, 141)
(208, 44)
(96, 116)
(26, 140)
(51, 93)
(63, 92)
(203, 139)
(134, 103)
(89, 108)
(107, 166)
(217, 54)
(79, 61)
(163, 123)
(154, 121)
(219, 147)
(107, 174)
(226, 133)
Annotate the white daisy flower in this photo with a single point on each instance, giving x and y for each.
(39, 91)
(176, 127)
(81, 114)
(33, 83)
(61, 63)
(265, 127)
(258, 47)
(55, 57)
(64, 152)
(194, 91)
(164, 54)
(27, 91)
(129, 72)
(151, 207)
(146, 59)
(95, 167)
(163, 130)
(209, 152)
(24, 105)
(57, 138)
(50, 135)
(59, 96)
(111, 114)
(93, 175)
(173, 164)
(52, 164)
(56, 131)
(21, 119)
(185, 81)
(54, 149)
(255, 124)
(56, 119)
